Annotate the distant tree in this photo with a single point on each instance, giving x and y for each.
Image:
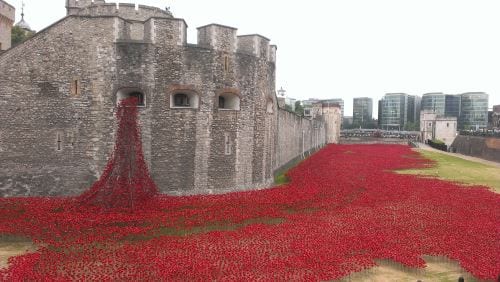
(412, 126)
(20, 35)
(288, 108)
(299, 109)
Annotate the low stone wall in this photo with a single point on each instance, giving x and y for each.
(296, 137)
(487, 148)
(372, 140)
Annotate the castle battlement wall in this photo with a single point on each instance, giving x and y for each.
(125, 10)
(7, 17)
(225, 39)
(218, 37)
(154, 25)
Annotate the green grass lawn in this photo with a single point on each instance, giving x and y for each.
(457, 169)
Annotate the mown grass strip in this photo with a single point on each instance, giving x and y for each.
(457, 169)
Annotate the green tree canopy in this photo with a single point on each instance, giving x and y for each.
(299, 109)
(20, 35)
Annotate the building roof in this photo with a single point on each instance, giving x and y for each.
(23, 24)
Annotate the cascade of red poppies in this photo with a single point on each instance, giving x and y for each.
(125, 182)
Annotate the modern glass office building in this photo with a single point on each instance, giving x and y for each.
(434, 102)
(452, 106)
(362, 111)
(473, 111)
(393, 111)
(413, 109)
(397, 110)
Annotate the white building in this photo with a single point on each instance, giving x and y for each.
(437, 127)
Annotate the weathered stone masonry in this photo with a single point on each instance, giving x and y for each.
(59, 91)
(7, 15)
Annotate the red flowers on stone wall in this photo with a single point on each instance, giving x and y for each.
(343, 209)
(126, 182)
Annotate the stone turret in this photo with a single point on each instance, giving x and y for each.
(7, 17)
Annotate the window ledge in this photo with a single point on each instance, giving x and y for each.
(179, 107)
(228, 110)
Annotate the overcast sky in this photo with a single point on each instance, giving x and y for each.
(352, 48)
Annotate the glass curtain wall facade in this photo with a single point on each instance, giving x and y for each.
(413, 109)
(452, 106)
(473, 111)
(393, 111)
(434, 102)
(362, 111)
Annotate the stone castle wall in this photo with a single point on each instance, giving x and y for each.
(59, 91)
(297, 136)
(487, 148)
(7, 17)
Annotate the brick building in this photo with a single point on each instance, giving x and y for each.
(208, 111)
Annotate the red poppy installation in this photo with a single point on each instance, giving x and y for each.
(126, 182)
(343, 209)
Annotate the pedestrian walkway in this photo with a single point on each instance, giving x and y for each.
(465, 157)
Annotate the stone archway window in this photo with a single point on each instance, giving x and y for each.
(184, 99)
(229, 101)
(181, 100)
(126, 93)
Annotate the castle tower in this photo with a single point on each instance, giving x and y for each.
(7, 17)
(332, 117)
(73, 6)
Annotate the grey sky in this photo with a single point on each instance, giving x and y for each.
(352, 48)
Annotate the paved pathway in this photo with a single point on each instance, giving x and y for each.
(465, 157)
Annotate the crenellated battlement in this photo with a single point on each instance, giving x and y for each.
(153, 25)
(125, 10)
(225, 38)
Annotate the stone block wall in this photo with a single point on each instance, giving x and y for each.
(487, 148)
(296, 136)
(53, 137)
(7, 17)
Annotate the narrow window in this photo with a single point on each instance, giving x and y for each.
(59, 142)
(71, 137)
(181, 100)
(447, 125)
(226, 63)
(75, 87)
(228, 144)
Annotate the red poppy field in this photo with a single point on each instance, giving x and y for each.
(343, 209)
